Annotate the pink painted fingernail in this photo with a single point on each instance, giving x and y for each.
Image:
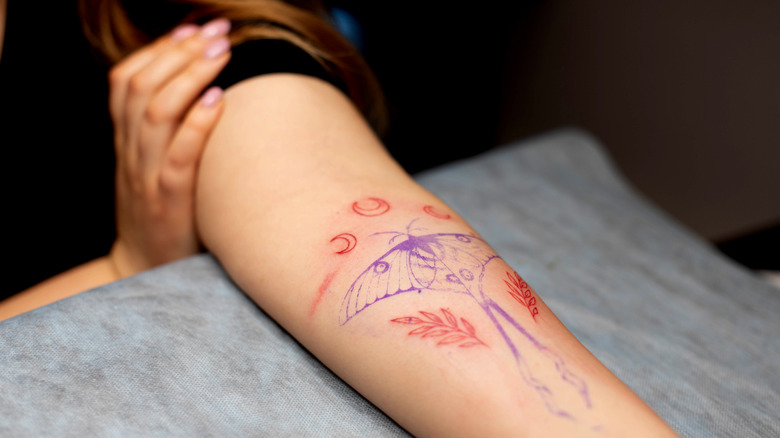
(220, 26)
(184, 31)
(217, 48)
(211, 97)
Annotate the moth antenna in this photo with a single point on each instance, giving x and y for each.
(385, 232)
(397, 233)
(409, 227)
(390, 242)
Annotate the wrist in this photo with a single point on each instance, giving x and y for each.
(120, 261)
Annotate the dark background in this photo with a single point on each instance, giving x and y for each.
(57, 145)
(673, 92)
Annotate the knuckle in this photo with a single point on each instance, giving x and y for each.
(117, 75)
(180, 161)
(139, 84)
(173, 179)
(157, 112)
(175, 163)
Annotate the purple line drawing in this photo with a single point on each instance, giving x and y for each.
(453, 263)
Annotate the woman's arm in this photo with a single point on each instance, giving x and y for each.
(384, 283)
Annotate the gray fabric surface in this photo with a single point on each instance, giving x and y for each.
(180, 351)
(695, 335)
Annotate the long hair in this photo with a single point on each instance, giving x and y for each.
(117, 28)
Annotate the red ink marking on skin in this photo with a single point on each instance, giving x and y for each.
(431, 210)
(350, 242)
(321, 292)
(521, 292)
(371, 207)
(447, 329)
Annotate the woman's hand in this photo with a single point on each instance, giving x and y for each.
(160, 129)
(159, 132)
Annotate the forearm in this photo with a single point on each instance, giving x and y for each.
(392, 290)
(87, 276)
(117, 264)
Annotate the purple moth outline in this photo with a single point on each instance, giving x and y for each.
(452, 263)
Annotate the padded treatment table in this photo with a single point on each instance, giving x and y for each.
(180, 351)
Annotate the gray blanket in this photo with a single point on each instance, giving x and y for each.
(181, 351)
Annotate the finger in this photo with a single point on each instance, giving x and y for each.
(166, 65)
(120, 75)
(177, 177)
(142, 149)
(155, 127)
(169, 105)
(173, 58)
(166, 110)
(119, 79)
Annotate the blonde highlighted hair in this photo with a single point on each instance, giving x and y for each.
(117, 28)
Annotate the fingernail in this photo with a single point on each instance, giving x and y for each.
(184, 31)
(217, 48)
(211, 97)
(220, 26)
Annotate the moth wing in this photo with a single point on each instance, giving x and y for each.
(465, 248)
(423, 267)
(389, 275)
(443, 262)
(460, 261)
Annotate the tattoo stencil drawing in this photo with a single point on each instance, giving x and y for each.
(521, 292)
(448, 329)
(453, 263)
(432, 211)
(371, 207)
(349, 241)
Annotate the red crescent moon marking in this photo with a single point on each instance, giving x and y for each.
(349, 239)
(371, 207)
(432, 211)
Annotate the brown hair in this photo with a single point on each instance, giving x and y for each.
(117, 28)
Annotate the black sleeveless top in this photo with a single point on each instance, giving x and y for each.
(266, 56)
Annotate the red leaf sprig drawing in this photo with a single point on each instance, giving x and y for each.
(520, 291)
(447, 329)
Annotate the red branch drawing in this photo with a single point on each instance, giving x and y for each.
(520, 291)
(448, 329)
